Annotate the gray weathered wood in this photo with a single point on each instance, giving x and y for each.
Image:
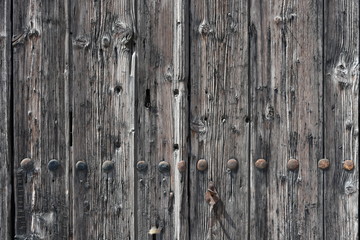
(5, 124)
(103, 123)
(341, 62)
(219, 123)
(40, 118)
(286, 120)
(162, 114)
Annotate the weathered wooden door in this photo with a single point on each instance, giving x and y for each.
(179, 119)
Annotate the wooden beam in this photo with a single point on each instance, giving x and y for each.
(219, 119)
(5, 122)
(341, 61)
(286, 120)
(162, 119)
(40, 67)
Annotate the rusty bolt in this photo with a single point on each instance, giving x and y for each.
(202, 165)
(293, 164)
(81, 166)
(53, 165)
(164, 167)
(141, 166)
(107, 166)
(232, 164)
(181, 166)
(27, 164)
(261, 163)
(348, 165)
(324, 164)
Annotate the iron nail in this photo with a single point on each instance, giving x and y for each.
(202, 165)
(348, 165)
(261, 163)
(293, 164)
(141, 166)
(53, 165)
(181, 166)
(164, 167)
(81, 166)
(232, 164)
(27, 164)
(324, 163)
(107, 166)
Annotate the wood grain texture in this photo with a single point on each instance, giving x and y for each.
(103, 123)
(162, 118)
(40, 119)
(286, 120)
(219, 119)
(341, 61)
(5, 124)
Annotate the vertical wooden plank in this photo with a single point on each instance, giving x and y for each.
(40, 119)
(103, 120)
(219, 118)
(162, 119)
(5, 124)
(341, 61)
(286, 120)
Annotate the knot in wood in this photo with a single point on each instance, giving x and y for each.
(293, 164)
(27, 164)
(261, 164)
(324, 164)
(202, 165)
(348, 165)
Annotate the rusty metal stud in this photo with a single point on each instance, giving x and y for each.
(202, 165)
(181, 166)
(293, 164)
(141, 166)
(324, 163)
(81, 166)
(348, 165)
(164, 167)
(53, 165)
(27, 164)
(107, 166)
(232, 164)
(261, 164)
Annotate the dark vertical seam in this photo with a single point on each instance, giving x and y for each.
(70, 117)
(11, 131)
(188, 66)
(249, 117)
(135, 79)
(323, 115)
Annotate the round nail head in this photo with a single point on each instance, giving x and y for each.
(293, 164)
(348, 165)
(232, 164)
(141, 166)
(164, 167)
(53, 165)
(81, 166)
(27, 164)
(181, 166)
(107, 166)
(202, 165)
(261, 164)
(324, 164)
